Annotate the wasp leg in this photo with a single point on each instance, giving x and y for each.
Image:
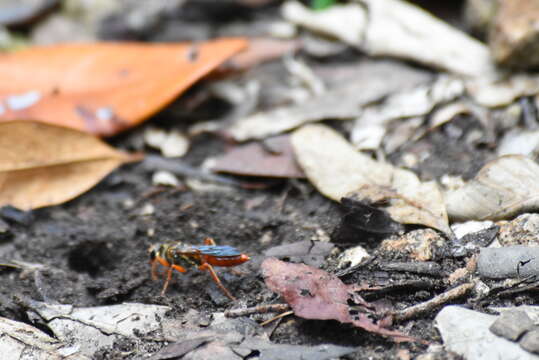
(154, 267)
(169, 276)
(209, 241)
(208, 267)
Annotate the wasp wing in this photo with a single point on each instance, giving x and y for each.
(218, 250)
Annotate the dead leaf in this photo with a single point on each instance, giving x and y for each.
(397, 29)
(407, 103)
(503, 188)
(91, 328)
(43, 165)
(273, 158)
(337, 170)
(103, 88)
(315, 294)
(22, 341)
(260, 50)
(351, 89)
(313, 253)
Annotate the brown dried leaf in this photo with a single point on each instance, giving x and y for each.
(273, 158)
(315, 294)
(43, 165)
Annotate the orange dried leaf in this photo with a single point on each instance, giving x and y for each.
(42, 165)
(103, 88)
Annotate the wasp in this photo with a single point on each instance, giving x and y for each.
(180, 257)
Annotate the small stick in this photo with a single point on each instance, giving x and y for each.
(416, 310)
(260, 309)
(280, 316)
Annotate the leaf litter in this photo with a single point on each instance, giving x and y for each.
(43, 165)
(504, 187)
(379, 204)
(315, 294)
(337, 170)
(108, 87)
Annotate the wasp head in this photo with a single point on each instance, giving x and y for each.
(153, 251)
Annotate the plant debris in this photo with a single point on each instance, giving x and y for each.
(43, 165)
(315, 294)
(109, 88)
(337, 170)
(504, 187)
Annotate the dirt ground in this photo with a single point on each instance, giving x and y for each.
(94, 250)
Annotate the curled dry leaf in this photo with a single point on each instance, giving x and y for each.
(397, 29)
(22, 341)
(504, 187)
(90, 328)
(103, 88)
(42, 165)
(315, 294)
(337, 170)
(351, 89)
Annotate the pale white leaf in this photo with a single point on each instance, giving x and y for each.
(503, 188)
(337, 170)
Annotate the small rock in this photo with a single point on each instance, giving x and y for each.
(478, 15)
(524, 230)
(15, 215)
(147, 210)
(508, 262)
(530, 341)
(5, 233)
(419, 245)
(466, 332)
(512, 324)
(165, 178)
(353, 256)
(312, 253)
(470, 227)
(172, 144)
(514, 34)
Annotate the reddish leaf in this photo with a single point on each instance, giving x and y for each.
(103, 88)
(315, 294)
(275, 159)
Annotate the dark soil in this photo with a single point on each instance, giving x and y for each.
(94, 249)
(94, 252)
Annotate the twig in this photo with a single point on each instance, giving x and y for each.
(280, 316)
(433, 303)
(261, 309)
(178, 167)
(424, 267)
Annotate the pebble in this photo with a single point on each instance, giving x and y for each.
(514, 34)
(512, 324)
(165, 178)
(5, 232)
(508, 262)
(420, 245)
(530, 341)
(524, 230)
(467, 333)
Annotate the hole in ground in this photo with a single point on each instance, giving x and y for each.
(91, 257)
